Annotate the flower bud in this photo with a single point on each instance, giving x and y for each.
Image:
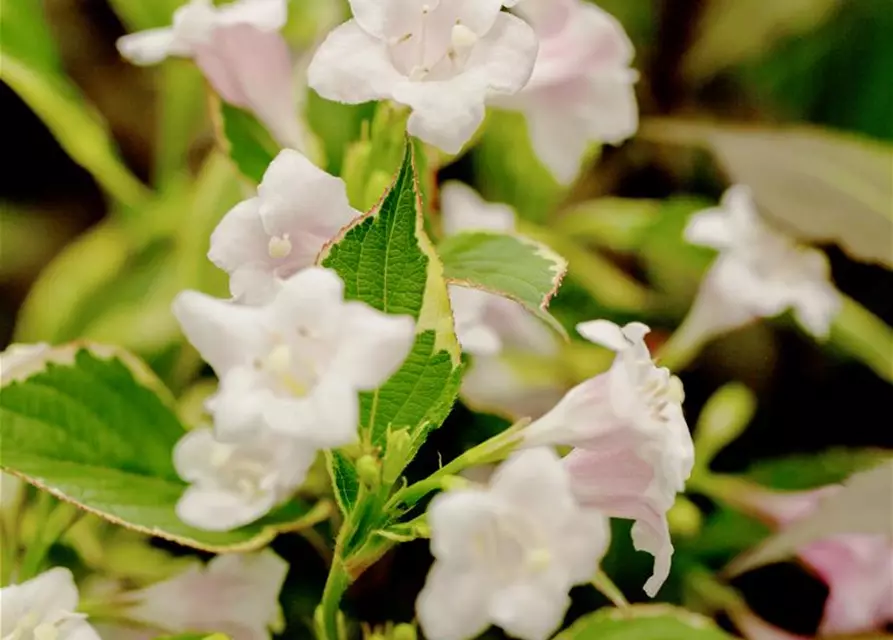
(369, 471)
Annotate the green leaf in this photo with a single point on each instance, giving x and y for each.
(644, 622)
(809, 471)
(31, 67)
(91, 427)
(387, 261)
(244, 139)
(195, 636)
(514, 267)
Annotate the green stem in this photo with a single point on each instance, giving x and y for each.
(329, 625)
(611, 591)
(681, 348)
(493, 450)
(866, 337)
(52, 523)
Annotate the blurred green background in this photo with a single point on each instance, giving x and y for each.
(108, 255)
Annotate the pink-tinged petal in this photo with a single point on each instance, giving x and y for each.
(493, 385)
(301, 200)
(252, 69)
(463, 209)
(214, 509)
(582, 415)
(225, 334)
(858, 570)
(453, 605)
(240, 239)
(558, 137)
(352, 66)
(505, 56)
(519, 329)
(267, 15)
(374, 347)
(149, 47)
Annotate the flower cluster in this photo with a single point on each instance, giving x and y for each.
(290, 353)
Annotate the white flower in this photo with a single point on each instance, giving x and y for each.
(234, 484)
(441, 58)
(235, 594)
(509, 553)
(239, 50)
(43, 609)
(297, 209)
(194, 24)
(633, 448)
(296, 363)
(759, 273)
(582, 87)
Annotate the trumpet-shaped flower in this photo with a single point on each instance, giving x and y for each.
(759, 273)
(633, 448)
(582, 87)
(857, 567)
(43, 607)
(235, 594)
(239, 50)
(297, 363)
(233, 484)
(442, 58)
(508, 554)
(297, 209)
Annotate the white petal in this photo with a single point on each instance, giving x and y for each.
(469, 306)
(268, 15)
(604, 333)
(260, 577)
(148, 47)
(352, 66)
(505, 56)
(192, 455)
(225, 334)
(238, 406)
(254, 285)
(371, 15)
(464, 210)
(615, 112)
(313, 299)
(535, 481)
(528, 611)
(479, 15)
(239, 238)
(373, 345)
(300, 199)
(327, 418)
(217, 510)
(455, 518)
(815, 308)
(445, 113)
(50, 592)
(583, 543)
(710, 228)
(584, 413)
(453, 605)
(493, 385)
(652, 534)
(518, 328)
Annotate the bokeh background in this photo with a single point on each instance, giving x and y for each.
(827, 63)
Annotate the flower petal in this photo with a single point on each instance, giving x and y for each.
(506, 55)
(149, 47)
(48, 593)
(536, 481)
(214, 509)
(312, 299)
(557, 137)
(528, 611)
(252, 69)
(464, 210)
(352, 66)
(453, 605)
(267, 15)
(224, 333)
(373, 346)
(192, 455)
(604, 333)
(300, 199)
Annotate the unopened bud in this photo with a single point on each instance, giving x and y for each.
(404, 631)
(724, 418)
(397, 450)
(369, 471)
(684, 518)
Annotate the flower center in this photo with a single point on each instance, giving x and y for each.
(510, 543)
(279, 246)
(244, 474)
(435, 48)
(295, 376)
(30, 627)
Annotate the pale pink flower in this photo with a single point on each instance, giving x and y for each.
(582, 88)
(240, 51)
(633, 448)
(857, 567)
(445, 59)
